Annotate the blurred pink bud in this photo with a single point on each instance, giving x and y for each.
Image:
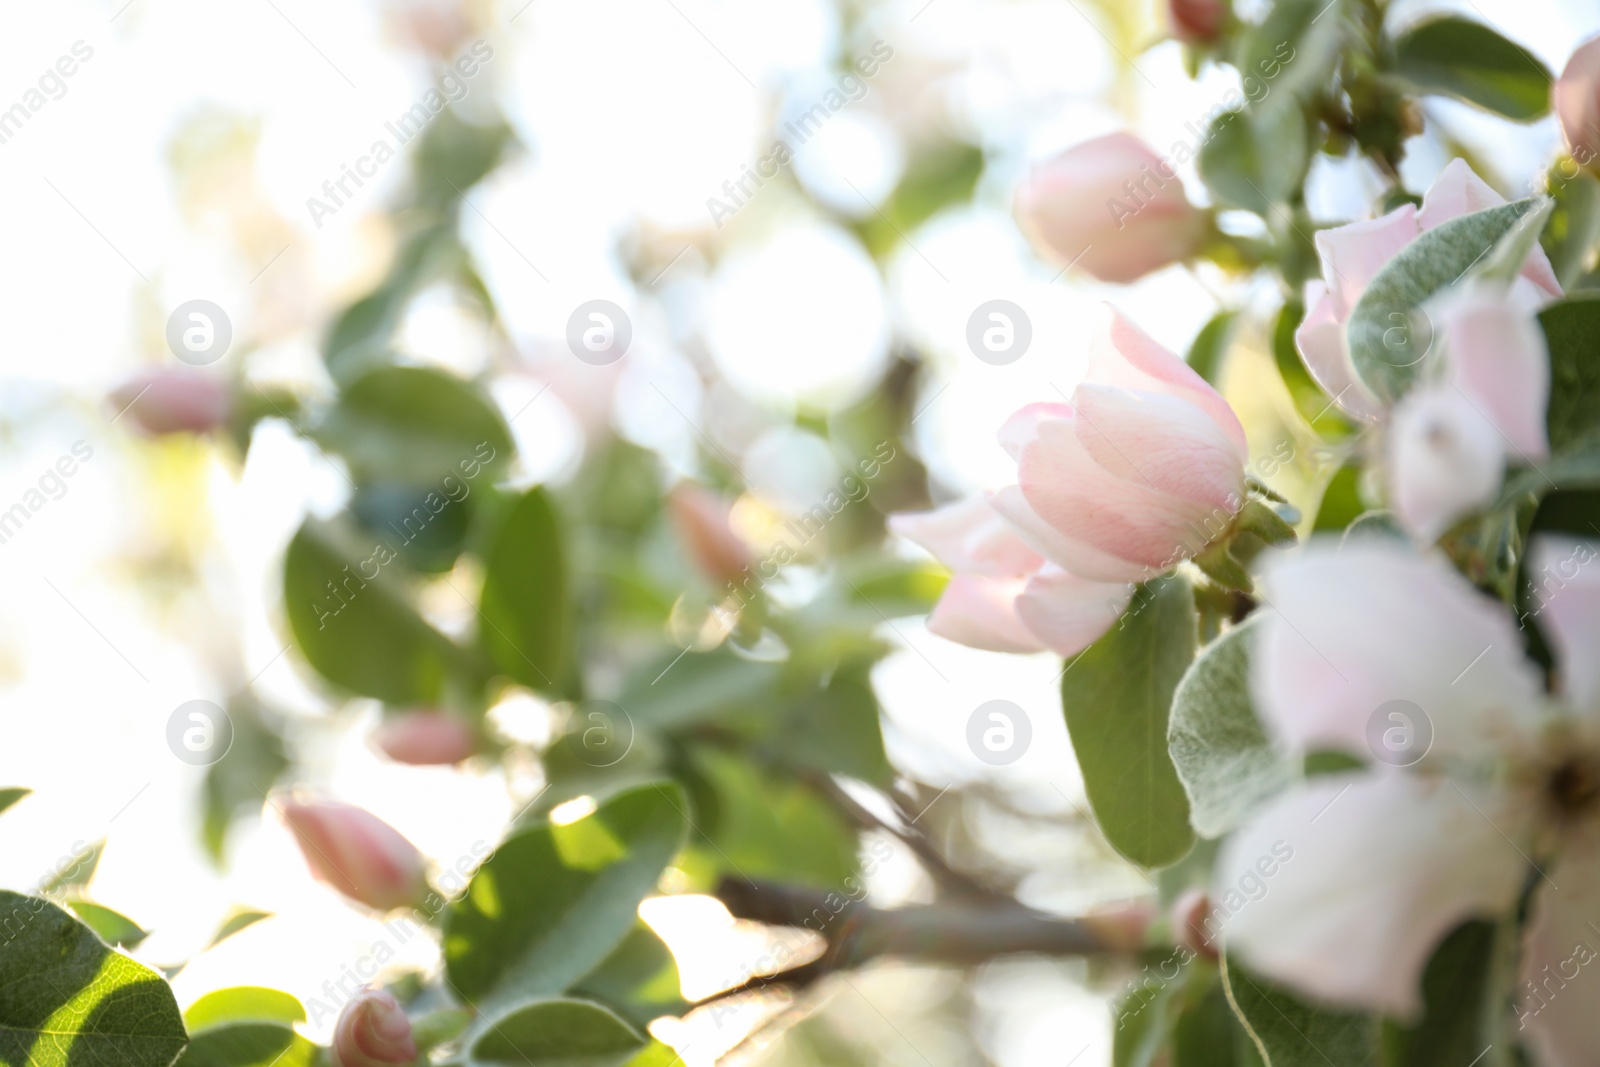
(357, 853)
(1142, 470)
(701, 518)
(373, 1031)
(1190, 913)
(174, 401)
(1122, 927)
(1196, 21)
(426, 738)
(1576, 99)
(1111, 206)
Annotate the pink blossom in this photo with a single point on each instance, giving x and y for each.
(701, 518)
(373, 1031)
(1372, 868)
(174, 401)
(1111, 206)
(1576, 100)
(357, 853)
(1352, 256)
(425, 738)
(1196, 21)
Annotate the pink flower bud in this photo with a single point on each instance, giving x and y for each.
(1190, 913)
(426, 738)
(357, 853)
(373, 1031)
(1111, 206)
(1576, 99)
(174, 401)
(701, 518)
(1196, 21)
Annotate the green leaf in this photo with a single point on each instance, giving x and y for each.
(558, 1033)
(1290, 1033)
(11, 795)
(836, 729)
(526, 612)
(1295, 49)
(639, 980)
(239, 781)
(66, 998)
(1572, 334)
(701, 687)
(416, 426)
(1457, 57)
(1504, 262)
(238, 919)
(361, 632)
(243, 1003)
(1570, 238)
(1386, 345)
(248, 1044)
(1256, 158)
(1116, 696)
(1211, 344)
(1458, 1004)
(554, 901)
(1341, 500)
(77, 874)
(113, 927)
(1208, 1033)
(1223, 756)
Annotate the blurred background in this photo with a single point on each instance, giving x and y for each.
(255, 155)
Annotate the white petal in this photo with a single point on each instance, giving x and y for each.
(1068, 553)
(1342, 889)
(1354, 253)
(1320, 339)
(1373, 622)
(1446, 460)
(1565, 602)
(1560, 972)
(1023, 425)
(1069, 613)
(969, 537)
(1496, 355)
(982, 613)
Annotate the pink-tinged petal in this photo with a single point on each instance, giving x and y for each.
(1564, 600)
(1459, 191)
(357, 853)
(1023, 425)
(1559, 983)
(1355, 628)
(1124, 517)
(373, 1031)
(1576, 101)
(1445, 457)
(1320, 340)
(969, 537)
(1343, 888)
(1160, 441)
(1353, 254)
(426, 738)
(1069, 613)
(1496, 355)
(1124, 356)
(982, 613)
(1068, 553)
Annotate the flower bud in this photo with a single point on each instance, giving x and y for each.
(373, 1031)
(701, 518)
(1111, 206)
(1196, 21)
(426, 738)
(1576, 100)
(1189, 914)
(174, 401)
(357, 853)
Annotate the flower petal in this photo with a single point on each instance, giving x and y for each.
(1121, 516)
(1342, 889)
(1459, 191)
(1373, 622)
(1496, 355)
(982, 613)
(1125, 356)
(1162, 442)
(969, 537)
(1559, 978)
(1069, 613)
(1023, 425)
(1320, 340)
(1073, 555)
(1352, 254)
(1446, 460)
(1566, 603)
